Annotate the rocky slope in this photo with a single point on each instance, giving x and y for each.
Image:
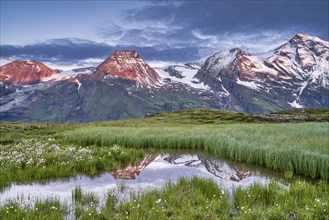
(303, 65)
(124, 86)
(129, 65)
(292, 75)
(25, 72)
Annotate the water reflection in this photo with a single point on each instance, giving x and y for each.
(218, 168)
(153, 171)
(132, 171)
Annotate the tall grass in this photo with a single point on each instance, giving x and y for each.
(300, 201)
(202, 199)
(193, 198)
(299, 148)
(84, 204)
(34, 159)
(49, 209)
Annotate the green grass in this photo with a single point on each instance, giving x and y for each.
(312, 114)
(300, 201)
(202, 199)
(44, 159)
(316, 112)
(212, 116)
(43, 151)
(194, 198)
(300, 148)
(84, 204)
(14, 132)
(49, 209)
(201, 116)
(188, 199)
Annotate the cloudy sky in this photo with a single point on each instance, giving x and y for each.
(67, 34)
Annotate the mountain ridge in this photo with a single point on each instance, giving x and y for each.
(124, 86)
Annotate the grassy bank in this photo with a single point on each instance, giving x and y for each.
(298, 148)
(190, 199)
(44, 159)
(50, 209)
(43, 151)
(202, 199)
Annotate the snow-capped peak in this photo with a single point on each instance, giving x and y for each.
(301, 57)
(234, 64)
(304, 37)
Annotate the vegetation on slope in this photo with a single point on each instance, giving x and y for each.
(311, 113)
(212, 116)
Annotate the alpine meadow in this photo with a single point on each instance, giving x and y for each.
(143, 110)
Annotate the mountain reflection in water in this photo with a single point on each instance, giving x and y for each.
(152, 172)
(216, 167)
(132, 171)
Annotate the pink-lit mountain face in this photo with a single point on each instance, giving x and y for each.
(302, 58)
(293, 75)
(129, 65)
(297, 70)
(123, 64)
(25, 72)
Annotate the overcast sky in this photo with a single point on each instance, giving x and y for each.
(80, 33)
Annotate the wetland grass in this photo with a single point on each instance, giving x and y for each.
(49, 209)
(193, 198)
(301, 148)
(44, 151)
(44, 159)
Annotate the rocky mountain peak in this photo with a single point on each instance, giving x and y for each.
(300, 56)
(24, 72)
(302, 38)
(129, 65)
(126, 54)
(232, 64)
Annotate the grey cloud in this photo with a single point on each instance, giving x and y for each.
(183, 31)
(157, 13)
(218, 24)
(76, 51)
(57, 49)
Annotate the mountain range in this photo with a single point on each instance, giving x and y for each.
(293, 75)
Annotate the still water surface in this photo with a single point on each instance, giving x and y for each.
(154, 171)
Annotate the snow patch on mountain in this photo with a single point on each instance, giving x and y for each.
(57, 77)
(312, 38)
(79, 84)
(320, 74)
(258, 66)
(294, 104)
(187, 73)
(304, 84)
(225, 93)
(221, 59)
(251, 85)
